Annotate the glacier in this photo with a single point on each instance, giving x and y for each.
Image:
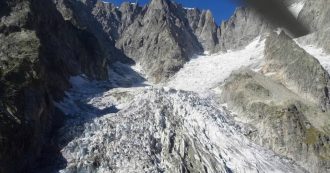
(123, 126)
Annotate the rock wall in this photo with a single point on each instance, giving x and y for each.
(315, 14)
(160, 40)
(244, 26)
(39, 52)
(286, 104)
(297, 70)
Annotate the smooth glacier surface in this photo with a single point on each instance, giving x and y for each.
(205, 72)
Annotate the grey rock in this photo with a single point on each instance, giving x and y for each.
(79, 14)
(136, 30)
(315, 14)
(244, 26)
(39, 51)
(320, 38)
(204, 27)
(279, 117)
(115, 20)
(297, 70)
(160, 40)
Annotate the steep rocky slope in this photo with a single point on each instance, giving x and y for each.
(39, 52)
(168, 44)
(297, 70)
(204, 27)
(286, 103)
(244, 26)
(315, 14)
(174, 33)
(288, 107)
(279, 119)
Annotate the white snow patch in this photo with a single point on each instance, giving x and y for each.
(207, 71)
(188, 8)
(296, 8)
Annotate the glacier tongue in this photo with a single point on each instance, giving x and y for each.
(161, 130)
(127, 125)
(158, 129)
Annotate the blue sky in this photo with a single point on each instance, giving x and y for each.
(221, 9)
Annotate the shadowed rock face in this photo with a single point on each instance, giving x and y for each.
(39, 52)
(79, 14)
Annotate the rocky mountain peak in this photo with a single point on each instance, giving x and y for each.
(208, 15)
(128, 7)
(160, 4)
(90, 3)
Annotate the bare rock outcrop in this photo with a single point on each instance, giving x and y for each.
(297, 70)
(39, 52)
(160, 40)
(287, 104)
(244, 26)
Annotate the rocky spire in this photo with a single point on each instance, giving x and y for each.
(159, 4)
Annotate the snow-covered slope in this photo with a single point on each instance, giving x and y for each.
(207, 71)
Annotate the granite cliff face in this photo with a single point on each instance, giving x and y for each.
(204, 27)
(174, 34)
(244, 26)
(315, 14)
(39, 52)
(168, 44)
